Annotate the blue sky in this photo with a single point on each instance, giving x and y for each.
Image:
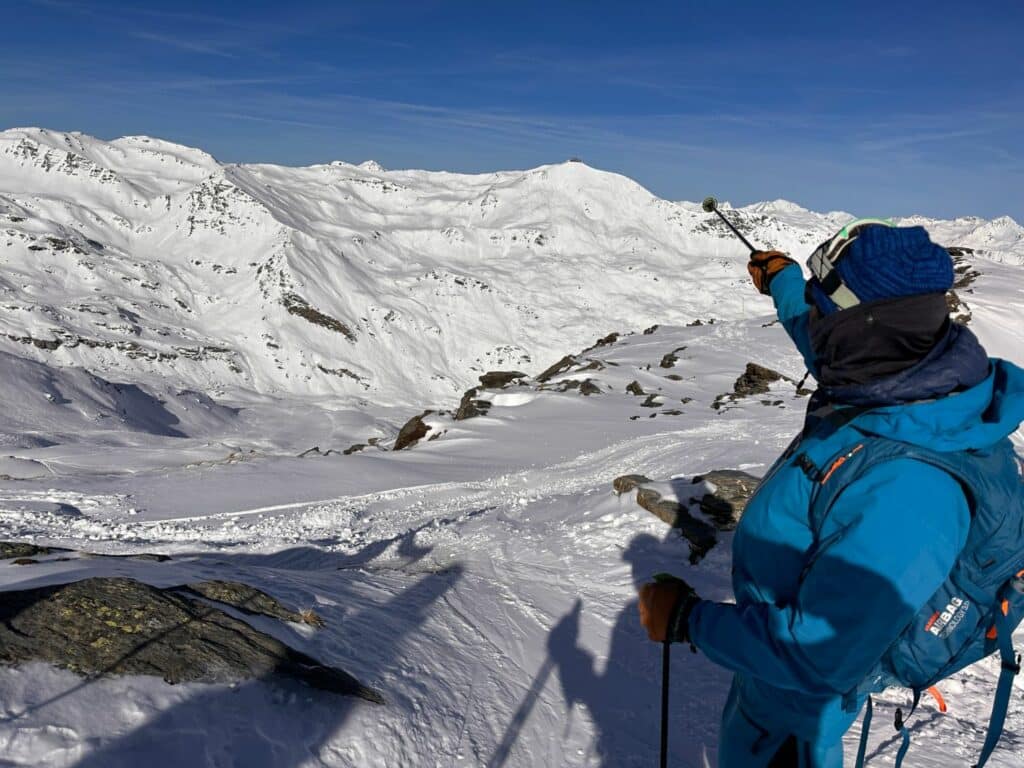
(870, 107)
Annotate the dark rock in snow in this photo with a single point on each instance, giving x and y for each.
(561, 366)
(354, 448)
(755, 380)
(588, 387)
(499, 379)
(252, 601)
(649, 331)
(671, 358)
(9, 549)
(626, 483)
(722, 495)
(119, 626)
(471, 406)
(634, 388)
(725, 505)
(411, 433)
(652, 401)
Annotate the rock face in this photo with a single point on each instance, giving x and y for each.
(499, 379)
(119, 626)
(755, 380)
(721, 495)
(250, 600)
(412, 432)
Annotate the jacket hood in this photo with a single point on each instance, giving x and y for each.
(975, 418)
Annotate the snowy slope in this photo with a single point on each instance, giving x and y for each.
(166, 322)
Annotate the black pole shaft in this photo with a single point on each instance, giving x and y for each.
(666, 663)
(735, 231)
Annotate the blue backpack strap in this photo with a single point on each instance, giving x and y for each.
(901, 726)
(864, 729)
(1001, 703)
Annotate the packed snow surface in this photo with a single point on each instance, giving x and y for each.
(175, 332)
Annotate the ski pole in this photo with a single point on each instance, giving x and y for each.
(666, 665)
(711, 205)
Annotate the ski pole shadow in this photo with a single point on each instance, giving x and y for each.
(621, 698)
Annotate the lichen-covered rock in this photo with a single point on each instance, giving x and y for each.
(251, 600)
(119, 626)
(10, 549)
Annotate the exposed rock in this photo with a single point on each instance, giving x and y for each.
(649, 331)
(561, 366)
(315, 451)
(700, 535)
(118, 626)
(252, 601)
(670, 359)
(634, 388)
(625, 483)
(611, 338)
(722, 495)
(299, 307)
(499, 379)
(354, 448)
(588, 387)
(674, 377)
(411, 433)
(471, 406)
(9, 549)
(725, 504)
(755, 380)
(24, 561)
(652, 401)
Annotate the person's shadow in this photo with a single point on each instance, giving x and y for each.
(623, 700)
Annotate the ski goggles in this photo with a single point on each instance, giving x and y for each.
(822, 262)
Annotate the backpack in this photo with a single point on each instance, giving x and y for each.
(974, 613)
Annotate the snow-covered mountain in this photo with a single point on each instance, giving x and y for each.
(189, 350)
(149, 262)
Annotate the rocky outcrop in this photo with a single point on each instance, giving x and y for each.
(250, 600)
(755, 380)
(499, 379)
(120, 626)
(721, 496)
(412, 432)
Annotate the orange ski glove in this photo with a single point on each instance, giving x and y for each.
(665, 606)
(764, 265)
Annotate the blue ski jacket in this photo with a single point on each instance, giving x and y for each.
(814, 614)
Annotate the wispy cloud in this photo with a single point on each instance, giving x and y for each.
(186, 44)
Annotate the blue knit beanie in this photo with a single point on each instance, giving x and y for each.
(889, 263)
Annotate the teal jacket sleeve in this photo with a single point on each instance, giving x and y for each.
(895, 534)
(787, 289)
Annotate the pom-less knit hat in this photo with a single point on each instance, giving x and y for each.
(885, 262)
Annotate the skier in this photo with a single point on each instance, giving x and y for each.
(822, 597)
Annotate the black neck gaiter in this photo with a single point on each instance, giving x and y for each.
(870, 341)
